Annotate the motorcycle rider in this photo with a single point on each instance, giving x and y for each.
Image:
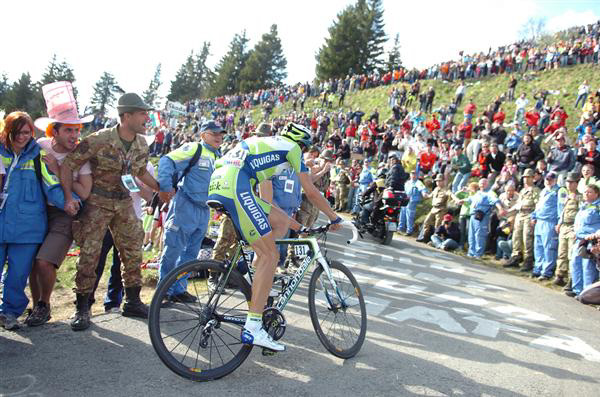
(396, 177)
(373, 208)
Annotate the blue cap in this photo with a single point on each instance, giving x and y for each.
(212, 126)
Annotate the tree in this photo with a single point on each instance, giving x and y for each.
(266, 64)
(58, 72)
(533, 29)
(104, 93)
(355, 42)
(193, 77)
(151, 94)
(375, 33)
(182, 86)
(394, 59)
(4, 89)
(339, 55)
(21, 96)
(203, 75)
(228, 69)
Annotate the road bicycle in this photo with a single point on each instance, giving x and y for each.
(201, 340)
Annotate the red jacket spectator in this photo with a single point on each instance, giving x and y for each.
(159, 137)
(499, 118)
(532, 118)
(351, 130)
(466, 129)
(554, 125)
(313, 123)
(427, 160)
(561, 114)
(470, 108)
(432, 125)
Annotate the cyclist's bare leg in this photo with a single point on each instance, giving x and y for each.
(266, 258)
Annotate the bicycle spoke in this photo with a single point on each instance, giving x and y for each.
(226, 345)
(190, 345)
(179, 332)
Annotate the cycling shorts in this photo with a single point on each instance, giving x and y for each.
(231, 187)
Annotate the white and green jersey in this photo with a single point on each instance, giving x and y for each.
(265, 157)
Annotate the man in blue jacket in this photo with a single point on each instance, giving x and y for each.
(545, 219)
(414, 190)
(187, 219)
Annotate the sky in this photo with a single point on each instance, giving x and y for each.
(128, 38)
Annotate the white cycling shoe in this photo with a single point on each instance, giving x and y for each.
(261, 338)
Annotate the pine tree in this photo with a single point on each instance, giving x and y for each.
(376, 35)
(266, 64)
(4, 89)
(182, 87)
(339, 55)
(21, 96)
(203, 75)
(228, 69)
(151, 94)
(394, 59)
(355, 42)
(104, 93)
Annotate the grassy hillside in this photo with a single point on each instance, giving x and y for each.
(483, 91)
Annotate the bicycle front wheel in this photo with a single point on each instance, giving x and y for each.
(199, 340)
(338, 316)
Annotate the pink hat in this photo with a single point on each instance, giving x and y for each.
(61, 106)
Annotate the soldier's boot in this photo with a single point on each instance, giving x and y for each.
(134, 307)
(527, 265)
(513, 261)
(81, 320)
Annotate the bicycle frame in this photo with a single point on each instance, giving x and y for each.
(313, 255)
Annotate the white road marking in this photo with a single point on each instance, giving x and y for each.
(437, 280)
(567, 343)
(521, 314)
(446, 268)
(441, 318)
(490, 328)
(459, 297)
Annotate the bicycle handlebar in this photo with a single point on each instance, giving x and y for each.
(325, 228)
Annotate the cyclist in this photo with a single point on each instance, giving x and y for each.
(251, 162)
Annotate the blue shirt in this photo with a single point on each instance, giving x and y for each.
(546, 208)
(415, 190)
(287, 191)
(483, 201)
(587, 220)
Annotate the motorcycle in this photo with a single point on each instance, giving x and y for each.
(384, 226)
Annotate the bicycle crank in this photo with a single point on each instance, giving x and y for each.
(274, 323)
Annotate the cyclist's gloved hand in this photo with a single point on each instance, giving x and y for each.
(335, 224)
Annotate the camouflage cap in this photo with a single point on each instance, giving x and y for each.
(327, 154)
(131, 102)
(528, 172)
(573, 177)
(263, 129)
(439, 177)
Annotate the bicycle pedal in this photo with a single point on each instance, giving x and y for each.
(268, 352)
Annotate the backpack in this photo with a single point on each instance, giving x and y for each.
(187, 169)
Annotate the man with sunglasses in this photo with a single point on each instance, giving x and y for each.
(251, 162)
(189, 168)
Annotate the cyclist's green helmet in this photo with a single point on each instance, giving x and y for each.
(298, 133)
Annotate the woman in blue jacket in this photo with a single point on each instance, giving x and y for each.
(22, 213)
(587, 221)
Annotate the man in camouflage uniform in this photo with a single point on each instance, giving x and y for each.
(523, 230)
(342, 186)
(568, 205)
(117, 155)
(439, 204)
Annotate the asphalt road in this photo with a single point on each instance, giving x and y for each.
(439, 325)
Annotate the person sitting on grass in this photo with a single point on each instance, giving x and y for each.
(446, 236)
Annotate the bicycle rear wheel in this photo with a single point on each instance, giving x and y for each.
(340, 324)
(200, 340)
